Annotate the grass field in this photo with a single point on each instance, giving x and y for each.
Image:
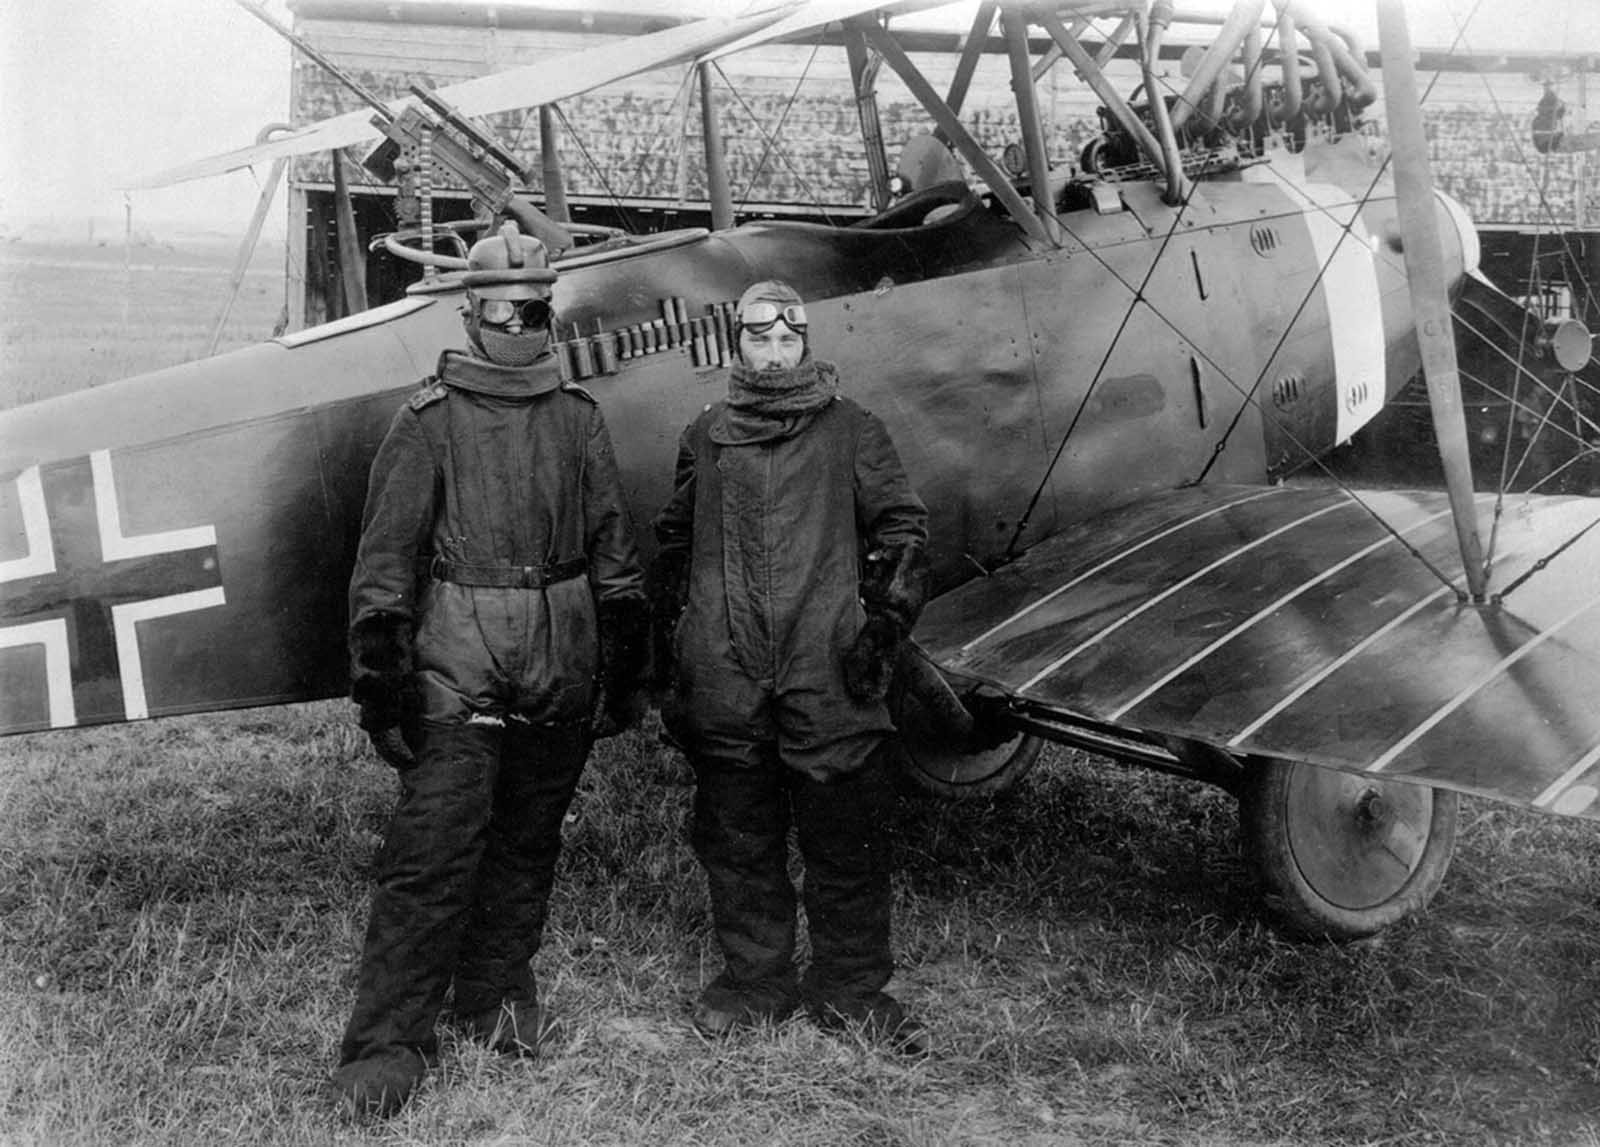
(181, 903)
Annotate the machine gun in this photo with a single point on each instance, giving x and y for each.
(415, 141)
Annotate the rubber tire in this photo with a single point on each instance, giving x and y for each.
(937, 769)
(1323, 851)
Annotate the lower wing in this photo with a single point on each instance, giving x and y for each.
(1308, 624)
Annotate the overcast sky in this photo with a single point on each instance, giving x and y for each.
(93, 92)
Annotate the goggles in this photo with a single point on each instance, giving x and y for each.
(759, 316)
(499, 312)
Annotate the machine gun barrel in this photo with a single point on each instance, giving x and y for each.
(412, 130)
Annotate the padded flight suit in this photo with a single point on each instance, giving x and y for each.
(773, 535)
(495, 522)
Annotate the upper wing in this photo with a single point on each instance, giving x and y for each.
(541, 83)
(1289, 623)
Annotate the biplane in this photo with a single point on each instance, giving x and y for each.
(1103, 377)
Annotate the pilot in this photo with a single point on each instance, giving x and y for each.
(497, 622)
(792, 558)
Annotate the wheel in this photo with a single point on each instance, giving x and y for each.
(1343, 855)
(932, 765)
(934, 747)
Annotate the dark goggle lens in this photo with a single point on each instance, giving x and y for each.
(499, 312)
(759, 316)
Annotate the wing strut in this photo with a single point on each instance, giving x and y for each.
(953, 129)
(1424, 258)
(1016, 33)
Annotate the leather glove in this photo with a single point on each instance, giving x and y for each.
(621, 701)
(869, 662)
(380, 671)
(894, 586)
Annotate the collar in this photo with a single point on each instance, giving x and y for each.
(467, 372)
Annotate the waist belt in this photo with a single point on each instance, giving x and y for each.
(507, 577)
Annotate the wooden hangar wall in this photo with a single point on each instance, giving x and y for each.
(632, 156)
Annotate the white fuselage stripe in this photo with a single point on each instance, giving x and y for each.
(1120, 555)
(1269, 610)
(1355, 311)
(1174, 588)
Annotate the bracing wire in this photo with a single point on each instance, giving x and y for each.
(1547, 213)
(662, 139)
(770, 138)
(599, 172)
(1249, 396)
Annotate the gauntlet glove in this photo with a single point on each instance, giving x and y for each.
(624, 644)
(380, 682)
(894, 589)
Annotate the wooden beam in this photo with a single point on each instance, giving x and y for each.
(352, 259)
(863, 80)
(982, 21)
(1015, 27)
(988, 170)
(717, 189)
(247, 247)
(1102, 87)
(554, 178)
(1424, 259)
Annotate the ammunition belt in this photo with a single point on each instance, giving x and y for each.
(506, 577)
(708, 340)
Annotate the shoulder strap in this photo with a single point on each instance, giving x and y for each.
(430, 390)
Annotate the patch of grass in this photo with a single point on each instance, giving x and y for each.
(181, 904)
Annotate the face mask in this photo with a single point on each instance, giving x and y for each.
(504, 349)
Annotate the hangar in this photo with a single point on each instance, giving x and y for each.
(631, 155)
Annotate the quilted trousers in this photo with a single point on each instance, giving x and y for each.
(742, 817)
(463, 879)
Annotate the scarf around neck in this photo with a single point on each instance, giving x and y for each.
(468, 372)
(766, 405)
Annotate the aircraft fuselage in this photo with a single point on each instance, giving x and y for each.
(181, 541)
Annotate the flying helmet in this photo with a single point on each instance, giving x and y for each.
(509, 266)
(768, 302)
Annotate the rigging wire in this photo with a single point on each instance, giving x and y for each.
(1137, 296)
(599, 172)
(1572, 261)
(1250, 397)
(662, 139)
(770, 139)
